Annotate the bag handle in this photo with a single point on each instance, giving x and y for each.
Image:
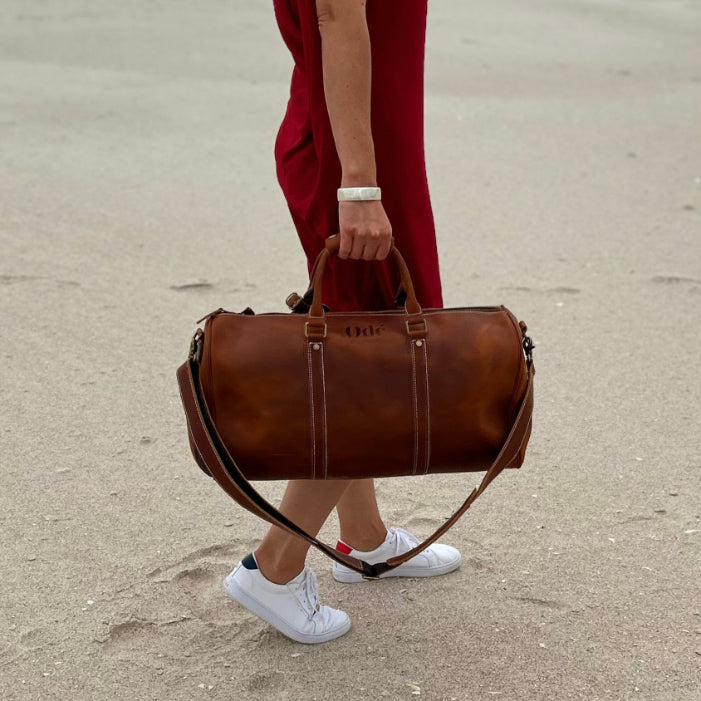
(301, 304)
(333, 243)
(214, 455)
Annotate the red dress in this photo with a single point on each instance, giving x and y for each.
(309, 170)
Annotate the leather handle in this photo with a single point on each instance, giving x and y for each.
(333, 243)
(221, 465)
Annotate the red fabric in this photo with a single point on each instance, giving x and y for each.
(309, 170)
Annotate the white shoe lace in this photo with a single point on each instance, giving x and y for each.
(307, 591)
(405, 540)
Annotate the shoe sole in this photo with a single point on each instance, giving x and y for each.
(346, 576)
(262, 611)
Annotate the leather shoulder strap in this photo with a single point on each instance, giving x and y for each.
(225, 471)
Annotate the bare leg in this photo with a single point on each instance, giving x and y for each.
(308, 503)
(361, 524)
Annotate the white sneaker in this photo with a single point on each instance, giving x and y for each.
(436, 559)
(292, 608)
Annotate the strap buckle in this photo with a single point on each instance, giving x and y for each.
(195, 344)
(297, 304)
(314, 327)
(528, 347)
(417, 332)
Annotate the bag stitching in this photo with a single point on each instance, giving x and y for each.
(415, 402)
(521, 371)
(428, 411)
(325, 435)
(213, 409)
(311, 405)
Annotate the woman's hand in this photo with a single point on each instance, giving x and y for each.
(365, 230)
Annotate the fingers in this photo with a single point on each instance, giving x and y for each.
(367, 247)
(366, 233)
(344, 248)
(384, 248)
(370, 248)
(357, 247)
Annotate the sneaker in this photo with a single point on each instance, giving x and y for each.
(436, 559)
(292, 608)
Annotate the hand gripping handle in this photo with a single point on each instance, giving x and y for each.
(333, 243)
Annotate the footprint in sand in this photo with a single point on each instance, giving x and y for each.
(127, 638)
(478, 564)
(7, 279)
(266, 681)
(221, 555)
(422, 524)
(544, 603)
(196, 579)
(516, 288)
(676, 280)
(191, 605)
(192, 285)
(562, 290)
(10, 652)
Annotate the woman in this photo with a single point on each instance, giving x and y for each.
(354, 120)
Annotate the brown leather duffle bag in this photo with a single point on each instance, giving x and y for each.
(345, 395)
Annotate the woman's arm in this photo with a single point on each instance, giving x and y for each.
(364, 227)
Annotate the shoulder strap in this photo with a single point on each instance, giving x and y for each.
(224, 470)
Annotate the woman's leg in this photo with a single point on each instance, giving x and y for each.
(361, 524)
(308, 503)
(363, 530)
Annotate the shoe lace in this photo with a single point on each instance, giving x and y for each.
(310, 591)
(405, 540)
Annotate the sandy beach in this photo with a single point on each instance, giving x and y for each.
(138, 192)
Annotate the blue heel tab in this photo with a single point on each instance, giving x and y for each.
(249, 562)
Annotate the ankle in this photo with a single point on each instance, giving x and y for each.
(276, 569)
(367, 540)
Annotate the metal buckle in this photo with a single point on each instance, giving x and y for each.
(292, 300)
(194, 344)
(528, 347)
(423, 321)
(306, 330)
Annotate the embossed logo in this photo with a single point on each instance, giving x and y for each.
(364, 331)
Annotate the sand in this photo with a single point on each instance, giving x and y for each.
(138, 193)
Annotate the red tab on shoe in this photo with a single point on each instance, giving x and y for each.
(343, 548)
